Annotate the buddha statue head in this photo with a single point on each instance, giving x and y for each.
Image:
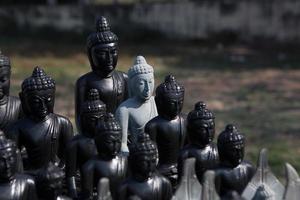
(141, 80)
(143, 157)
(169, 98)
(8, 159)
(102, 48)
(108, 137)
(92, 110)
(231, 145)
(200, 125)
(38, 94)
(5, 71)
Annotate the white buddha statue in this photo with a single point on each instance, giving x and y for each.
(135, 112)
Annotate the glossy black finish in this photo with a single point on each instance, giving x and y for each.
(201, 131)
(108, 162)
(168, 128)
(12, 185)
(10, 106)
(82, 147)
(145, 183)
(233, 173)
(43, 133)
(102, 50)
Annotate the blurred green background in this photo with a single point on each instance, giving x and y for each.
(254, 86)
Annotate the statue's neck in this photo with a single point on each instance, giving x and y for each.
(165, 116)
(102, 74)
(38, 119)
(141, 177)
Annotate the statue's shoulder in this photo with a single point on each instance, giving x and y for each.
(122, 74)
(25, 179)
(63, 120)
(83, 79)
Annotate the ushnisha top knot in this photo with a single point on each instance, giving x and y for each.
(140, 66)
(109, 124)
(4, 60)
(93, 104)
(200, 112)
(231, 136)
(102, 35)
(39, 80)
(170, 86)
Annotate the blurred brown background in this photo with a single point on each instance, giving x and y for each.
(239, 56)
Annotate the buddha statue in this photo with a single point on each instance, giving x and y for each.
(145, 182)
(109, 162)
(43, 133)
(233, 173)
(10, 106)
(82, 147)
(13, 186)
(135, 112)
(102, 50)
(168, 128)
(200, 133)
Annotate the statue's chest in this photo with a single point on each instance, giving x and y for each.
(140, 115)
(40, 134)
(105, 86)
(87, 149)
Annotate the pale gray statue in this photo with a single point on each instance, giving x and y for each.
(264, 184)
(135, 112)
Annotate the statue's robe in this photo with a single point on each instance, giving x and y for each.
(206, 158)
(112, 90)
(10, 112)
(22, 187)
(44, 141)
(95, 169)
(155, 188)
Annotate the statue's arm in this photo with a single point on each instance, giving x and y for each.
(65, 137)
(150, 129)
(122, 192)
(87, 179)
(126, 94)
(71, 166)
(122, 115)
(32, 194)
(183, 155)
(79, 99)
(168, 193)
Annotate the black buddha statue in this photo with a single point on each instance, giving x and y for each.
(82, 147)
(233, 174)
(109, 162)
(13, 186)
(43, 133)
(201, 131)
(168, 128)
(145, 183)
(102, 50)
(10, 106)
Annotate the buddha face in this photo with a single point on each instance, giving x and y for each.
(145, 165)
(109, 143)
(233, 153)
(7, 163)
(89, 122)
(201, 131)
(104, 58)
(4, 81)
(39, 103)
(142, 86)
(170, 105)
